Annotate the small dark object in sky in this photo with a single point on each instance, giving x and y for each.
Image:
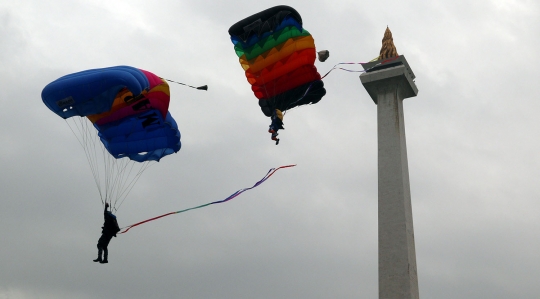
(323, 55)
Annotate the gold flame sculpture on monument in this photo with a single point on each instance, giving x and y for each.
(388, 49)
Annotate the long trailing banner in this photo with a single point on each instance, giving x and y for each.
(235, 194)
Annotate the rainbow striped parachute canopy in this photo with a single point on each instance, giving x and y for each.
(127, 106)
(278, 56)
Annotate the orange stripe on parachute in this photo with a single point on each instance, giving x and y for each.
(125, 98)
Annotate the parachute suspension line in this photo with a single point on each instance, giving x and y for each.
(120, 167)
(130, 186)
(94, 147)
(117, 173)
(127, 184)
(204, 87)
(112, 175)
(106, 179)
(92, 140)
(268, 94)
(87, 142)
(305, 93)
(116, 177)
(275, 95)
(235, 194)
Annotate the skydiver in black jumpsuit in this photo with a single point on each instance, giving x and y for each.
(109, 230)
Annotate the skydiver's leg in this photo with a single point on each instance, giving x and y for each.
(106, 240)
(105, 255)
(272, 128)
(100, 250)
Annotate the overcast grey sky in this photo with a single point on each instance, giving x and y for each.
(309, 231)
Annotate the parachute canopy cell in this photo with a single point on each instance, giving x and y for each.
(278, 55)
(127, 106)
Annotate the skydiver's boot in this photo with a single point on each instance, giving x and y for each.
(277, 141)
(98, 257)
(105, 254)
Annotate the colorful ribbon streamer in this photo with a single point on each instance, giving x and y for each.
(235, 194)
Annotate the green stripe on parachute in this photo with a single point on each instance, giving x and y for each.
(270, 42)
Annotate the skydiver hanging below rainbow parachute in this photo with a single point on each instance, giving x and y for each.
(278, 57)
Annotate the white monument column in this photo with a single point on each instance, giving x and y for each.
(388, 83)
